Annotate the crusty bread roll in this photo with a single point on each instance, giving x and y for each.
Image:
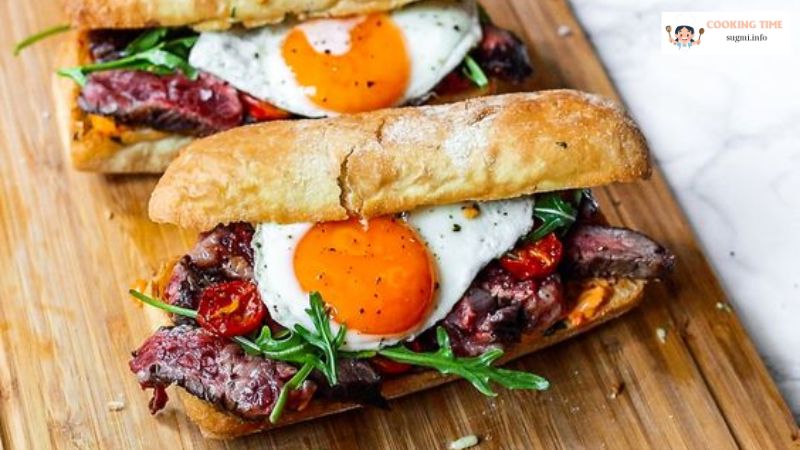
(211, 14)
(395, 160)
(217, 424)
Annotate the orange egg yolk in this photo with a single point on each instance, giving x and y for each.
(377, 279)
(373, 73)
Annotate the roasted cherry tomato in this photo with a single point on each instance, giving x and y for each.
(534, 260)
(453, 83)
(388, 367)
(259, 111)
(231, 309)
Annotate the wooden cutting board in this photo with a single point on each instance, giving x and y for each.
(72, 243)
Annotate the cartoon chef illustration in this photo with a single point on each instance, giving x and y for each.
(684, 36)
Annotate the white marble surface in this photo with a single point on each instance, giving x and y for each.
(726, 130)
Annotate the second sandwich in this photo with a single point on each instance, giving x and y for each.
(141, 79)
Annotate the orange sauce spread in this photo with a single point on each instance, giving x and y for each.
(593, 295)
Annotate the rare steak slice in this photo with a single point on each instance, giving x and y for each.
(498, 308)
(502, 54)
(172, 103)
(216, 370)
(603, 251)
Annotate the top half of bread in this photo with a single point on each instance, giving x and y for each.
(211, 14)
(395, 160)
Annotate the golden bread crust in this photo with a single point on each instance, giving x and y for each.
(395, 160)
(211, 14)
(217, 424)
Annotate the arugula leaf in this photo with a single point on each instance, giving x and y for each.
(289, 347)
(323, 338)
(32, 39)
(186, 312)
(290, 385)
(320, 349)
(554, 213)
(362, 354)
(478, 370)
(474, 72)
(304, 345)
(74, 73)
(149, 52)
(146, 40)
(181, 46)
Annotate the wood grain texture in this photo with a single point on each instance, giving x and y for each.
(73, 243)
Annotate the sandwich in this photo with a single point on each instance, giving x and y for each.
(350, 260)
(140, 79)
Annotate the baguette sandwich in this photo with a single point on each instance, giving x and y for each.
(351, 260)
(139, 79)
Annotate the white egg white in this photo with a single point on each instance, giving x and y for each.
(438, 34)
(460, 247)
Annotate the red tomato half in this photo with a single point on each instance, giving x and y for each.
(534, 260)
(453, 83)
(231, 309)
(260, 111)
(388, 367)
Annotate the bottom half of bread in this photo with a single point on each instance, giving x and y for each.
(217, 424)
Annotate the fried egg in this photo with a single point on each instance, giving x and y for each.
(389, 278)
(326, 67)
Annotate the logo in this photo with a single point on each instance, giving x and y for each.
(684, 36)
(729, 33)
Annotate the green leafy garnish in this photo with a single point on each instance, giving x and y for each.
(554, 213)
(30, 40)
(316, 349)
(474, 72)
(319, 349)
(478, 370)
(150, 51)
(146, 41)
(322, 337)
(363, 354)
(290, 385)
(289, 347)
(186, 312)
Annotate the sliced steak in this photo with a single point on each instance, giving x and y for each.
(502, 54)
(107, 45)
(171, 103)
(542, 301)
(359, 382)
(214, 369)
(603, 251)
(222, 254)
(476, 304)
(498, 308)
